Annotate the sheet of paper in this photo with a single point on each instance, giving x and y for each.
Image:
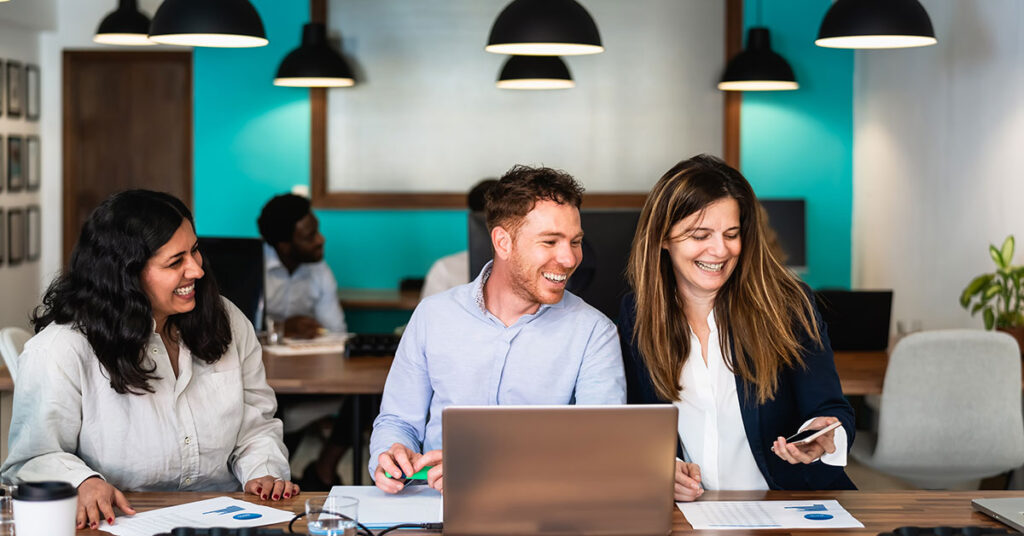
(731, 515)
(216, 512)
(414, 504)
(324, 344)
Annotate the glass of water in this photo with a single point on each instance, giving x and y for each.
(332, 515)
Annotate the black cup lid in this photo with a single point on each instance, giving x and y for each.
(44, 491)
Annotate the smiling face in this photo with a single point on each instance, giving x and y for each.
(705, 248)
(545, 250)
(170, 275)
(307, 243)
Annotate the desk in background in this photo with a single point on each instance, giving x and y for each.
(879, 511)
(377, 310)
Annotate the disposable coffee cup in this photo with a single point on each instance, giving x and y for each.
(45, 509)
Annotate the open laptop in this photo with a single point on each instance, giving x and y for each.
(1008, 510)
(857, 320)
(559, 470)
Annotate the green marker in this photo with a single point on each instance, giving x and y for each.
(421, 475)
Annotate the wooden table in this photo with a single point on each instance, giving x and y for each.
(378, 299)
(879, 511)
(862, 373)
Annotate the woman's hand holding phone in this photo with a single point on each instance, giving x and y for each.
(812, 446)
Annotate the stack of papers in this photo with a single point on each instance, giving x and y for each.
(325, 344)
(414, 504)
(732, 515)
(216, 512)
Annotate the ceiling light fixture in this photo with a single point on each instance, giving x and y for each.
(126, 26)
(544, 28)
(876, 24)
(208, 23)
(535, 72)
(314, 63)
(758, 67)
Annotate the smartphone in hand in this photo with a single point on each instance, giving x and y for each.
(806, 436)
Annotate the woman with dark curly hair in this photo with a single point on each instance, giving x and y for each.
(720, 328)
(140, 376)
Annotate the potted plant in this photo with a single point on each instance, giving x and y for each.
(1000, 294)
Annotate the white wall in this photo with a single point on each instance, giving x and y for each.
(939, 159)
(19, 284)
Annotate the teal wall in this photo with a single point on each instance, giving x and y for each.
(252, 142)
(800, 143)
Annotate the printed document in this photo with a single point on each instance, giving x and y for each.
(414, 504)
(732, 515)
(216, 512)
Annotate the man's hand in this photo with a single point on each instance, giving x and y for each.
(96, 501)
(688, 486)
(435, 476)
(398, 461)
(301, 327)
(269, 487)
(808, 452)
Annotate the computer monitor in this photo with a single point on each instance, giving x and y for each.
(237, 265)
(857, 320)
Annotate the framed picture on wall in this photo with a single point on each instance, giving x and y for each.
(15, 89)
(32, 92)
(15, 236)
(33, 234)
(32, 171)
(15, 164)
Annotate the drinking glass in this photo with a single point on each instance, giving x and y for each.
(332, 515)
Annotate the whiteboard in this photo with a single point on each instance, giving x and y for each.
(425, 115)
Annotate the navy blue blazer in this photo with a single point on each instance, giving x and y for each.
(803, 393)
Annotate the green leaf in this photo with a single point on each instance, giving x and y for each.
(974, 287)
(992, 290)
(977, 307)
(1006, 252)
(996, 256)
(990, 319)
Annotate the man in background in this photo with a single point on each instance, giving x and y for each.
(453, 270)
(300, 289)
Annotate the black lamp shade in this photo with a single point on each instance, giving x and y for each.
(876, 24)
(758, 67)
(314, 63)
(535, 72)
(208, 23)
(126, 25)
(544, 28)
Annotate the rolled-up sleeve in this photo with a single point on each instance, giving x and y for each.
(259, 450)
(46, 420)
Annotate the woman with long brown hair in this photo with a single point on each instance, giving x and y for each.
(719, 327)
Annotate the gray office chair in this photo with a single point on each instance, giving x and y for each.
(950, 410)
(12, 341)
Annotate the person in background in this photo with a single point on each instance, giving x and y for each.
(141, 377)
(300, 288)
(720, 328)
(516, 317)
(453, 270)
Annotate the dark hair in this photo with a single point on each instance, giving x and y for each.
(101, 295)
(477, 198)
(762, 312)
(513, 197)
(279, 216)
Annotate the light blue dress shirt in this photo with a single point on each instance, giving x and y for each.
(455, 352)
(310, 291)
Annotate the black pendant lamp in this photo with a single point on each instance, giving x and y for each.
(208, 23)
(314, 63)
(544, 28)
(876, 24)
(758, 67)
(126, 25)
(535, 72)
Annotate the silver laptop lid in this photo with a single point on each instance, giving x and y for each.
(554, 470)
(1006, 510)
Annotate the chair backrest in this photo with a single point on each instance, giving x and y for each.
(237, 264)
(12, 341)
(952, 399)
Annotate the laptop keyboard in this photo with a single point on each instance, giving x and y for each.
(221, 531)
(972, 530)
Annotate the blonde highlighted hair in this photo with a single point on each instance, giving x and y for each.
(763, 314)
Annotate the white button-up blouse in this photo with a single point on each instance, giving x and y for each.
(211, 428)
